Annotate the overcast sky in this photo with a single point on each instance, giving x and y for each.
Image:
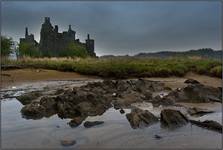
(122, 27)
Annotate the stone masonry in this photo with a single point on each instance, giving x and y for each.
(52, 42)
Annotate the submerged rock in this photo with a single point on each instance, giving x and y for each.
(172, 118)
(209, 124)
(157, 137)
(76, 121)
(89, 124)
(138, 118)
(67, 142)
(122, 111)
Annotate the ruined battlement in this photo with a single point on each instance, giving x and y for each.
(52, 42)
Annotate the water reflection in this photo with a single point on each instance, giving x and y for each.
(17, 132)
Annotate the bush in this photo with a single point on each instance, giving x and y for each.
(26, 49)
(6, 45)
(126, 67)
(74, 50)
(216, 71)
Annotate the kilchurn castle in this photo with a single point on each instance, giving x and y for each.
(52, 42)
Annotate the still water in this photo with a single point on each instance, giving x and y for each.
(116, 132)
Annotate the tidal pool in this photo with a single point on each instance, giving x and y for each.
(116, 132)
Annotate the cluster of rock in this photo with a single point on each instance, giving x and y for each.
(95, 98)
(91, 99)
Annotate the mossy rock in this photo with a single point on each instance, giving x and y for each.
(27, 98)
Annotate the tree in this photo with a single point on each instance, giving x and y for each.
(27, 49)
(6, 46)
(74, 49)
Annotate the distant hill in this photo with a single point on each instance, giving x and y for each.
(204, 53)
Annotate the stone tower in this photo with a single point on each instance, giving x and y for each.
(90, 46)
(29, 39)
(47, 37)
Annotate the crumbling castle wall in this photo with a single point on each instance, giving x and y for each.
(52, 43)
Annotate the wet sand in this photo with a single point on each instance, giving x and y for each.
(178, 82)
(20, 76)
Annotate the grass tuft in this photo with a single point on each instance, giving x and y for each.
(125, 67)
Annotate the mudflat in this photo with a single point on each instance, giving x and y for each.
(19, 76)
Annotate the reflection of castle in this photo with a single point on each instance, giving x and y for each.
(52, 42)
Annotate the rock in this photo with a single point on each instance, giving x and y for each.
(89, 124)
(91, 99)
(194, 111)
(122, 111)
(49, 103)
(138, 118)
(141, 85)
(76, 121)
(114, 94)
(27, 98)
(33, 111)
(148, 95)
(191, 81)
(166, 88)
(195, 93)
(80, 102)
(157, 136)
(59, 91)
(67, 142)
(127, 99)
(172, 118)
(209, 124)
(165, 101)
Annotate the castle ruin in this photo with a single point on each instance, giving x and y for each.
(52, 43)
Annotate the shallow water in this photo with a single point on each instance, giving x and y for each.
(116, 132)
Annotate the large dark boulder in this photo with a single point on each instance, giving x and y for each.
(139, 118)
(172, 118)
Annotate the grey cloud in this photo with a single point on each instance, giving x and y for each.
(123, 27)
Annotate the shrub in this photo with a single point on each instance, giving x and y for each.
(26, 49)
(216, 71)
(74, 49)
(6, 45)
